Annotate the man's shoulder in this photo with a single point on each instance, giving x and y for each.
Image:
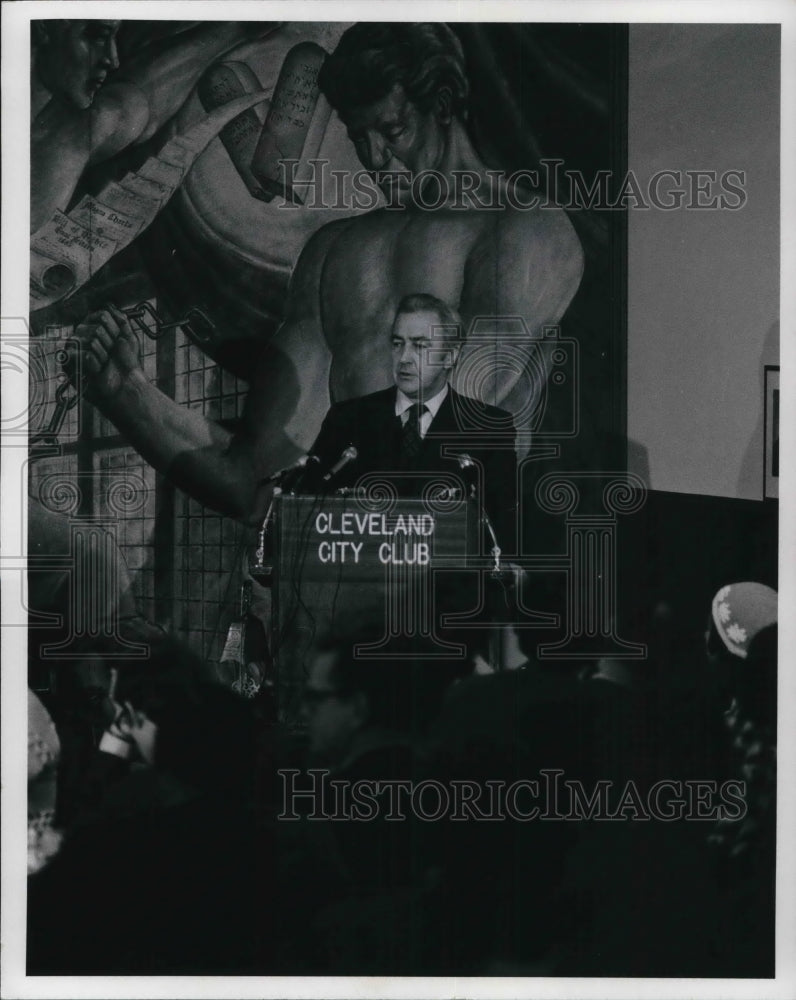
(119, 115)
(469, 404)
(372, 402)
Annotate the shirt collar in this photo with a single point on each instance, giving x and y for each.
(403, 402)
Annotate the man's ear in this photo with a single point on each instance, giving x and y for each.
(444, 105)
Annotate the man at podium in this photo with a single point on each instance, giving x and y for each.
(421, 428)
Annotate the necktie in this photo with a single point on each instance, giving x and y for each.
(411, 442)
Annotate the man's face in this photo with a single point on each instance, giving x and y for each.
(77, 58)
(392, 135)
(422, 358)
(333, 716)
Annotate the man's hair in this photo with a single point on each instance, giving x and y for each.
(449, 318)
(371, 58)
(403, 691)
(172, 674)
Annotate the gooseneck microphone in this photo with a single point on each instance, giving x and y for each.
(299, 464)
(349, 454)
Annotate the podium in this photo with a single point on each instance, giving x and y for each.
(383, 562)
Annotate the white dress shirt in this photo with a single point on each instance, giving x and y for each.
(403, 404)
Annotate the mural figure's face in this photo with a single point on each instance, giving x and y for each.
(394, 136)
(76, 59)
(421, 359)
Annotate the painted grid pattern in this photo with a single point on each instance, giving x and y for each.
(208, 549)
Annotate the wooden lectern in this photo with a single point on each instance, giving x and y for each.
(385, 563)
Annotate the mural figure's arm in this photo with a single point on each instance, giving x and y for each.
(287, 399)
(65, 140)
(530, 266)
(166, 73)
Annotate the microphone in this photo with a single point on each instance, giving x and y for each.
(348, 455)
(300, 463)
(294, 478)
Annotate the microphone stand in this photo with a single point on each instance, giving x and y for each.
(484, 519)
(495, 552)
(466, 463)
(259, 554)
(281, 478)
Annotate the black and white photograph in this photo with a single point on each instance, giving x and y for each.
(391, 539)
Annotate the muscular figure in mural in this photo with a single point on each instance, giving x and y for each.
(401, 90)
(83, 112)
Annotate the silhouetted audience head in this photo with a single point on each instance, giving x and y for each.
(205, 732)
(359, 683)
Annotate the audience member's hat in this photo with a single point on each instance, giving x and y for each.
(43, 751)
(741, 611)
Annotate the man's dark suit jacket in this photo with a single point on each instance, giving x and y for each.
(461, 424)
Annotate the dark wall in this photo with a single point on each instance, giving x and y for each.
(680, 549)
